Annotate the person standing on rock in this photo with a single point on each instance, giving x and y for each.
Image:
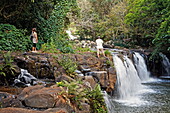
(34, 39)
(99, 43)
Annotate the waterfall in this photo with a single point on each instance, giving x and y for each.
(128, 81)
(108, 101)
(165, 65)
(25, 79)
(141, 67)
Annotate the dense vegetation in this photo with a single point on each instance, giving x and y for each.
(145, 22)
(48, 16)
(149, 22)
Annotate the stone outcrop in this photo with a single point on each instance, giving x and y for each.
(42, 65)
(91, 70)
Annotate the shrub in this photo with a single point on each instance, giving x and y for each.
(107, 52)
(75, 94)
(12, 38)
(68, 64)
(96, 100)
(7, 69)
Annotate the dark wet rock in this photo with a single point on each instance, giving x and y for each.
(4, 95)
(26, 91)
(64, 77)
(91, 81)
(111, 79)
(101, 77)
(37, 65)
(11, 101)
(42, 98)
(62, 103)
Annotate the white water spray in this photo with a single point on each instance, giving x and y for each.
(165, 65)
(128, 82)
(141, 67)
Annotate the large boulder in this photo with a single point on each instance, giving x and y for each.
(26, 91)
(111, 79)
(91, 81)
(11, 101)
(101, 77)
(42, 98)
(36, 64)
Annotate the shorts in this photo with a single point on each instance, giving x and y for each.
(34, 44)
(99, 47)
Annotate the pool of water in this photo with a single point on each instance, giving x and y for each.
(153, 98)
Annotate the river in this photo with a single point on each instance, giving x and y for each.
(154, 98)
(136, 91)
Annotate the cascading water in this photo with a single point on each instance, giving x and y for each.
(25, 79)
(141, 67)
(128, 81)
(165, 65)
(134, 95)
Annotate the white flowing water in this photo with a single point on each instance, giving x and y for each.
(135, 96)
(25, 78)
(128, 82)
(154, 99)
(141, 67)
(165, 65)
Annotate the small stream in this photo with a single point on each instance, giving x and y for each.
(154, 98)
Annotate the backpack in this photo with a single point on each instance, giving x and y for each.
(31, 37)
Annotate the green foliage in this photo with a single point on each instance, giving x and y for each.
(49, 17)
(103, 18)
(1, 71)
(96, 100)
(80, 49)
(107, 52)
(50, 47)
(12, 38)
(54, 30)
(110, 63)
(7, 69)
(68, 64)
(7, 58)
(121, 45)
(162, 45)
(75, 93)
(149, 21)
(112, 25)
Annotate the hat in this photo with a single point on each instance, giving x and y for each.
(33, 29)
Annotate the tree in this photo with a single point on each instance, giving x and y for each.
(148, 20)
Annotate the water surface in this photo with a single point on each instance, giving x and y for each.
(153, 98)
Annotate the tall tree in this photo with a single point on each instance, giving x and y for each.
(148, 20)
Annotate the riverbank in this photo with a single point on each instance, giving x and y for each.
(88, 72)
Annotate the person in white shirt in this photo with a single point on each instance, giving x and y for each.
(34, 39)
(99, 46)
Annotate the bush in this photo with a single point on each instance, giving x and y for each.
(107, 53)
(68, 64)
(12, 38)
(75, 94)
(96, 100)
